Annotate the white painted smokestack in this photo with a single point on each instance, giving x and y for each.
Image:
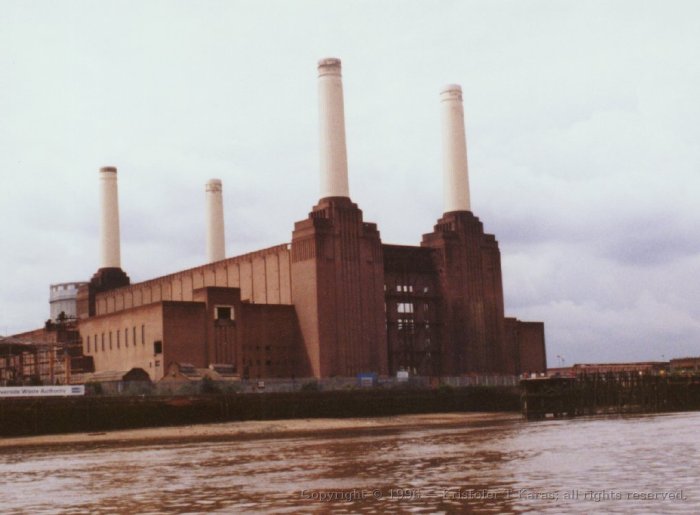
(454, 150)
(334, 160)
(110, 255)
(216, 245)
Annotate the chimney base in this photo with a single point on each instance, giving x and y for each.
(108, 279)
(104, 279)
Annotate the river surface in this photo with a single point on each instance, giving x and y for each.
(494, 463)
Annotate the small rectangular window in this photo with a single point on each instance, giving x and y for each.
(118, 338)
(405, 324)
(158, 347)
(88, 344)
(143, 335)
(126, 337)
(405, 307)
(224, 313)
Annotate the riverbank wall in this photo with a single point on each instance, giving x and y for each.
(39, 416)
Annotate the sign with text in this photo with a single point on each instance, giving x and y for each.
(42, 391)
(367, 380)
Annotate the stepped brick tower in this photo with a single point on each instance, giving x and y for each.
(337, 264)
(468, 260)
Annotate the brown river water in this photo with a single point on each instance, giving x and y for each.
(454, 463)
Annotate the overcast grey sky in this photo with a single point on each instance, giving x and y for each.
(582, 126)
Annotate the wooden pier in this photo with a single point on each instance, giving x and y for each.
(601, 393)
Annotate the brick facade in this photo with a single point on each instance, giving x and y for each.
(338, 290)
(336, 302)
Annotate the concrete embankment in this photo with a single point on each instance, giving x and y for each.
(37, 416)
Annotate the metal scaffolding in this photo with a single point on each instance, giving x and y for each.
(47, 357)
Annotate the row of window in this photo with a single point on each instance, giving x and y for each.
(114, 338)
(408, 307)
(408, 324)
(406, 288)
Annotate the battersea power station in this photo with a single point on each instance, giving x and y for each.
(336, 301)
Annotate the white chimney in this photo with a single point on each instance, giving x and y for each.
(216, 246)
(109, 219)
(334, 160)
(454, 150)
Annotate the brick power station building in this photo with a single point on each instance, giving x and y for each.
(336, 301)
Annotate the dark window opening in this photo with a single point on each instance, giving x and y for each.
(223, 313)
(158, 347)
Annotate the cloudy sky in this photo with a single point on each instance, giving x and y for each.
(582, 126)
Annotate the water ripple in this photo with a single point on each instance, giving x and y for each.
(495, 465)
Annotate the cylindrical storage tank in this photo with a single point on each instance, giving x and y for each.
(62, 299)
